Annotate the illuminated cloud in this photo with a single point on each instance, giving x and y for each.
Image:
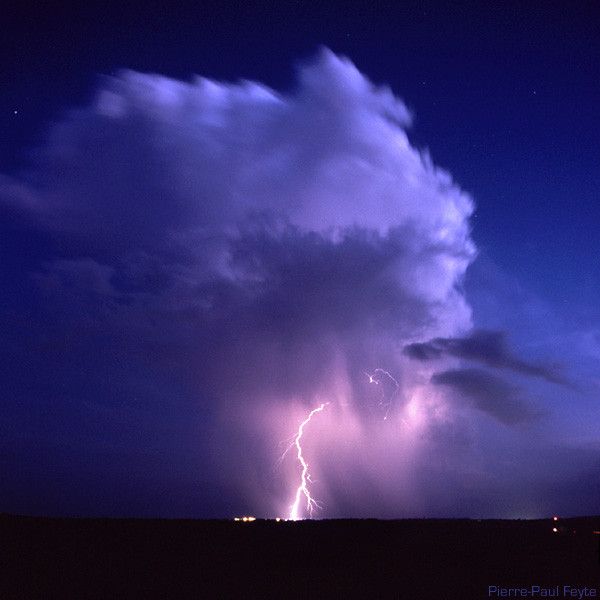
(217, 258)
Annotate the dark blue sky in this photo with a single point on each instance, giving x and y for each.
(505, 98)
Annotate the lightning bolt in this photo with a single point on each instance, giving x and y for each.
(375, 378)
(296, 441)
(305, 479)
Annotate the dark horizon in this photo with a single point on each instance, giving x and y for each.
(449, 559)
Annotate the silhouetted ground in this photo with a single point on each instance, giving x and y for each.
(446, 559)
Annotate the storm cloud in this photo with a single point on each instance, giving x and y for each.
(203, 261)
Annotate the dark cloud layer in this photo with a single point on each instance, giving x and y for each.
(487, 347)
(488, 393)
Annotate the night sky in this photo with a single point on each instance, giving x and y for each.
(215, 218)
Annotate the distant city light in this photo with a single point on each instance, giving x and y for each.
(555, 518)
(554, 529)
(244, 519)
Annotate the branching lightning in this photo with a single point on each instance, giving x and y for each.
(303, 489)
(377, 377)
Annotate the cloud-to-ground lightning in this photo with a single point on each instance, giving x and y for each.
(305, 479)
(376, 378)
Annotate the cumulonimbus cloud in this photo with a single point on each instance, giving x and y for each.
(266, 249)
